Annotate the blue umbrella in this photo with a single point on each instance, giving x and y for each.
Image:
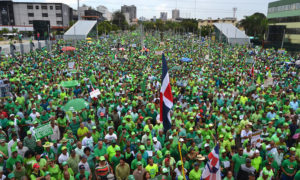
(186, 59)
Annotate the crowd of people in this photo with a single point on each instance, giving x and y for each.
(243, 99)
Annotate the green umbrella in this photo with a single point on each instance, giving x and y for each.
(69, 84)
(75, 105)
(142, 57)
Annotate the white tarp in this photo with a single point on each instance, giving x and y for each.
(232, 33)
(79, 30)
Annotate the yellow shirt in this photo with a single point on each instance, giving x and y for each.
(82, 132)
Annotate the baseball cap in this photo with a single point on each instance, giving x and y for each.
(139, 163)
(154, 139)
(35, 165)
(81, 167)
(64, 163)
(102, 158)
(63, 148)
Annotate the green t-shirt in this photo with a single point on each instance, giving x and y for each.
(34, 176)
(86, 174)
(116, 160)
(100, 152)
(238, 161)
(152, 170)
(54, 171)
(289, 166)
(4, 149)
(10, 163)
(195, 175)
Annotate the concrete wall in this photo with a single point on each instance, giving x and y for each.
(26, 46)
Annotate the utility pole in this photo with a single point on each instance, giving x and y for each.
(78, 10)
(234, 11)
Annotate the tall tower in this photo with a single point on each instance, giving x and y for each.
(234, 11)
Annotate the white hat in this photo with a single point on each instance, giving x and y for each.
(256, 151)
(154, 139)
(170, 137)
(206, 145)
(11, 115)
(181, 140)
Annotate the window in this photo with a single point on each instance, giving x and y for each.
(30, 22)
(59, 22)
(58, 15)
(58, 7)
(44, 7)
(30, 14)
(51, 7)
(37, 7)
(29, 6)
(44, 14)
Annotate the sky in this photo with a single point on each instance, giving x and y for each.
(201, 9)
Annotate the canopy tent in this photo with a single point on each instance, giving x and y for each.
(186, 59)
(232, 35)
(80, 30)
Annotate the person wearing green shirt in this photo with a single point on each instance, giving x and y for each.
(95, 134)
(54, 170)
(115, 160)
(195, 173)
(289, 167)
(37, 173)
(238, 159)
(83, 173)
(111, 150)
(100, 151)
(152, 168)
(3, 147)
(229, 176)
(10, 163)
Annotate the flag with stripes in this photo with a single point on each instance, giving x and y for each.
(212, 168)
(166, 97)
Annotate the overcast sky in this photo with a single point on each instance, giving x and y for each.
(188, 8)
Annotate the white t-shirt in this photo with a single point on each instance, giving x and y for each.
(86, 165)
(62, 158)
(157, 146)
(34, 115)
(88, 142)
(244, 134)
(111, 137)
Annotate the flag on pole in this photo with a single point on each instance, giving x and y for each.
(166, 98)
(212, 168)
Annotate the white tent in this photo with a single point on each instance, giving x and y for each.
(233, 34)
(80, 30)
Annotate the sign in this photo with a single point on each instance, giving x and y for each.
(71, 65)
(133, 45)
(43, 131)
(268, 82)
(95, 93)
(249, 60)
(256, 139)
(158, 52)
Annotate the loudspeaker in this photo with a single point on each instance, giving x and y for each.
(41, 27)
(276, 33)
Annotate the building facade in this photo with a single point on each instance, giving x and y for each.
(163, 16)
(59, 14)
(106, 14)
(175, 14)
(210, 21)
(6, 13)
(131, 10)
(284, 23)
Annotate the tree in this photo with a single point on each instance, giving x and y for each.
(120, 20)
(5, 30)
(255, 25)
(206, 30)
(190, 25)
(104, 27)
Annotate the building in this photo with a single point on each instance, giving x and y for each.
(105, 12)
(92, 15)
(81, 10)
(6, 12)
(284, 24)
(58, 14)
(210, 21)
(163, 16)
(131, 10)
(175, 14)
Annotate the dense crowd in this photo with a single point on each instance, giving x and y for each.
(245, 99)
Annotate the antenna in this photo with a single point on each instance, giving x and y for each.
(234, 11)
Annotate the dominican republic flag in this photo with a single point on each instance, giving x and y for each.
(252, 70)
(212, 168)
(166, 98)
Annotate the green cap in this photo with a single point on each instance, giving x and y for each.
(167, 153)
(142, 147)
(131, 177)
(179, 163)
(28, 132)
(102, 158)
(279, 131)
(293, 149)
(64, 163)
(94, 127)
(11, 175)
(139, 163)
(117, 148)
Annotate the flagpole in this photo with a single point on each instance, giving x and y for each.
(183, 173)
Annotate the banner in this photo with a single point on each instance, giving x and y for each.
(256, 139)
(95, 93)
(43, 131)
(71, 65)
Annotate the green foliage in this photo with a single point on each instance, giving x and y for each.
(5, 30)
(120, 20)
(255, 25)
(104, 27)
(206, 30)
(187, 25)
(14, 30)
